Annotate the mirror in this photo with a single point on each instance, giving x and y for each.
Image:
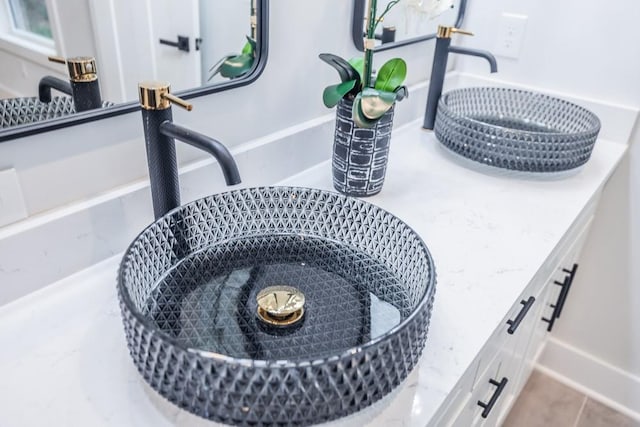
(407, 22)
(199, 46)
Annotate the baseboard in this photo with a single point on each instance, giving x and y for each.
(595, 378)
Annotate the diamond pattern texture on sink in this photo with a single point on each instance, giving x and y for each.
(20, 111)
(187, 288)
(516, 129)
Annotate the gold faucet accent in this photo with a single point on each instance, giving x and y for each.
(81, 68)
(447, 32)
(156, 95)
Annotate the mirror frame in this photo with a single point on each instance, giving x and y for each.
(357, 28)
(262, 12)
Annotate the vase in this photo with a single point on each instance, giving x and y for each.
(360, 155)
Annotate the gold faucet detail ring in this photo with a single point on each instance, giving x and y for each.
(280, 305)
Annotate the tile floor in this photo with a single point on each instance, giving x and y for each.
(544, 402)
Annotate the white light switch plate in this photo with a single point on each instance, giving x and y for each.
(510, 34)
(12, 207)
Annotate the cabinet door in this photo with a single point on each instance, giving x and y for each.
(550, 300)
(493, 391)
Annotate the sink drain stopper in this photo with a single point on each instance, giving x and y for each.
(280, 305)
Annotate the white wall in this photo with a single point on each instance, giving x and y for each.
(591, 49)
(574, 46)
(75, 163)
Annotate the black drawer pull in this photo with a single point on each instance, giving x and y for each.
(182, 43)
(513, 324)
(552, 320)
(487, 407)
(562, 298)
(571, 274)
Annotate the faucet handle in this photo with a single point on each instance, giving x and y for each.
(57, 59)
(447, 32)
(81, 68)
(156, 96)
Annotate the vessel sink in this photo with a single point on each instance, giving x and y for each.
(22, 111)
(516, 129)
(201, 287)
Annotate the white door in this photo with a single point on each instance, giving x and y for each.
(170, 19)
(128, 44)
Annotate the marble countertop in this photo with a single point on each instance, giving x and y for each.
(64, 361)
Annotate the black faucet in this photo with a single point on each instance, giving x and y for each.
(439, 68)
(83, 86)
(159, 134)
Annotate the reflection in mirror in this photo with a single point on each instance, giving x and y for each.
(407, 21)
(200, 46)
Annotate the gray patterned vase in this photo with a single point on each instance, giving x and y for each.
(360, 155)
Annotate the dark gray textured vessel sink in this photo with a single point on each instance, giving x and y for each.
(516, 129)
(188, 288)
(22, 111)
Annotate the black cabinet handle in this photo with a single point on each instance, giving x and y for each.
(571, 274)
(513, 324)
(181, 44)
(562, 298)
(487, 407)
(552, 320)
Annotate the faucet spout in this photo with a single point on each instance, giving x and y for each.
(205, 143)
(493, 64)
(160, 134)
(49, 82)
(439, 69)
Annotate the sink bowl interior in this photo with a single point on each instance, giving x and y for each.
(516, 129)
(188, 287)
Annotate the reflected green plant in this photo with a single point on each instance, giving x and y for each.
(234, 66)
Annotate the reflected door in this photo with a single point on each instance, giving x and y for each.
(169, 20)
(129, 51)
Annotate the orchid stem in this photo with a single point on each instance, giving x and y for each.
(368, 53)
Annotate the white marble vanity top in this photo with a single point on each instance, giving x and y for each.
(63, 356)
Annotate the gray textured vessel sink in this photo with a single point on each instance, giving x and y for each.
(22, 111)
(516, 129)
(190, 287)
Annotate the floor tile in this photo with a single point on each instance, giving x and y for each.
(544, 402)
(596, 414)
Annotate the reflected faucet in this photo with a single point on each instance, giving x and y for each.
(439, 68)
(159, 134)
(83, 86)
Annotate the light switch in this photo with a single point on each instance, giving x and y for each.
(510, 35)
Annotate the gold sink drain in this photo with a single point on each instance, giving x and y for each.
(280, 305)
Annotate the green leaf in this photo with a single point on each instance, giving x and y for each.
(247, 49)
(358, 64)
(333, 94)
(374, 103)
(344, 69)
(358, 117)
(391, 75)
(215, 68)
(236, 66)
(250, 47)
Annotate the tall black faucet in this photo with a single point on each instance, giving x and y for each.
(83, 86)
(439, 68)
(159, 134)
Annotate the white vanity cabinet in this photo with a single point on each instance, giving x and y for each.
(485, 393)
